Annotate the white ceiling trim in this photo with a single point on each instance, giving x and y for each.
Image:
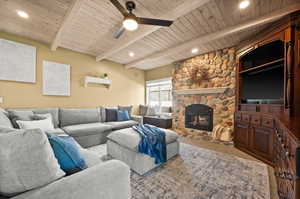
(217, 35)
(123, 42)
(72, 12)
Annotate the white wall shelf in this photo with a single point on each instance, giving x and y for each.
(96, 80)
(201, 91)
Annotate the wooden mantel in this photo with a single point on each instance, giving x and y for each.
(201, 91)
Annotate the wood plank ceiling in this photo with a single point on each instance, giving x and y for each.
(91, 29)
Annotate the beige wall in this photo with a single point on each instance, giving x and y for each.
(159, 73)
(127, 85)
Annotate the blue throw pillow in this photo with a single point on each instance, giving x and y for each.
(123, 116)
(67, 153)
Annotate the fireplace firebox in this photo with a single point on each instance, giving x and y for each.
(199, 116)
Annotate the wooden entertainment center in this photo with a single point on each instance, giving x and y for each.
(267, 117)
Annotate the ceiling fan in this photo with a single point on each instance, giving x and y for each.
(131, 21)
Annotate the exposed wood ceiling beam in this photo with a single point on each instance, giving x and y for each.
(217, 35)
(72, 12)
(123, 42)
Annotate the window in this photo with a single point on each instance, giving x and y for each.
(159, 92)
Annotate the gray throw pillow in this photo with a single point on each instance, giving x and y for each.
(27, 161)
(4, 120)
(151, 111)
(125, 108)
(143, 110)
(19, 115)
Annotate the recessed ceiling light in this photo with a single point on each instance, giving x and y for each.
(244, 4)
(131, 54)
(195, 50)
(22, 14)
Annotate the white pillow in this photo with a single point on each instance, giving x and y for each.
(44, 125)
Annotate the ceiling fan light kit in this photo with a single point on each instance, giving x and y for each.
(131, 22)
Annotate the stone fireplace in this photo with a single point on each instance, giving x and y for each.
(204, 96)
(199, 116)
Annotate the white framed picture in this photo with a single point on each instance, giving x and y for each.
(17, 61)
(56, 79)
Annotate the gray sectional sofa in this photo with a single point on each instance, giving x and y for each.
(89, 128)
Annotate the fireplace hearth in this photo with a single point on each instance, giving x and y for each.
(199, 116)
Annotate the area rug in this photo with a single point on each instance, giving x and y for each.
(199, 173)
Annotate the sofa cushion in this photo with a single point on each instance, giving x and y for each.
(86, 129)
(122, 124)
(91, 158)
(111, 114)
(130, 139)
(4, 120)
(126, 108)
(4, 130)
(52, 111)
(143, 110)
(30, 164)
(79, 116)
(44, 125)
(67, 153)
(152, 111)
(15, 115)
(57, 131)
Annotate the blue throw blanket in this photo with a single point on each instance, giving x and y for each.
(153, 142)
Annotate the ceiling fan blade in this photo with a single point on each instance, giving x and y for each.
(119, 33)
(118, 5)
(155, 22)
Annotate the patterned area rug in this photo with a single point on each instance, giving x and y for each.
(203, 174)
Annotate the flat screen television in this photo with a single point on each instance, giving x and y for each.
(264, 86)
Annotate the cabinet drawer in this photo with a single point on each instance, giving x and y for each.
(267, 122)
(246, 118)
(255, 120)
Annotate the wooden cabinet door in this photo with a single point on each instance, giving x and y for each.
(262, 142)
(241, 135)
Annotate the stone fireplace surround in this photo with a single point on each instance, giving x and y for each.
(207, 79)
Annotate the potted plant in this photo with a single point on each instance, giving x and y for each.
(105, 76)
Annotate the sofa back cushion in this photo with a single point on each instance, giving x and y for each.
(44, 125)
(143, 110)
(126, 108)
(53, 111)
(27, 161)
(4, 120)
(70, 117)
